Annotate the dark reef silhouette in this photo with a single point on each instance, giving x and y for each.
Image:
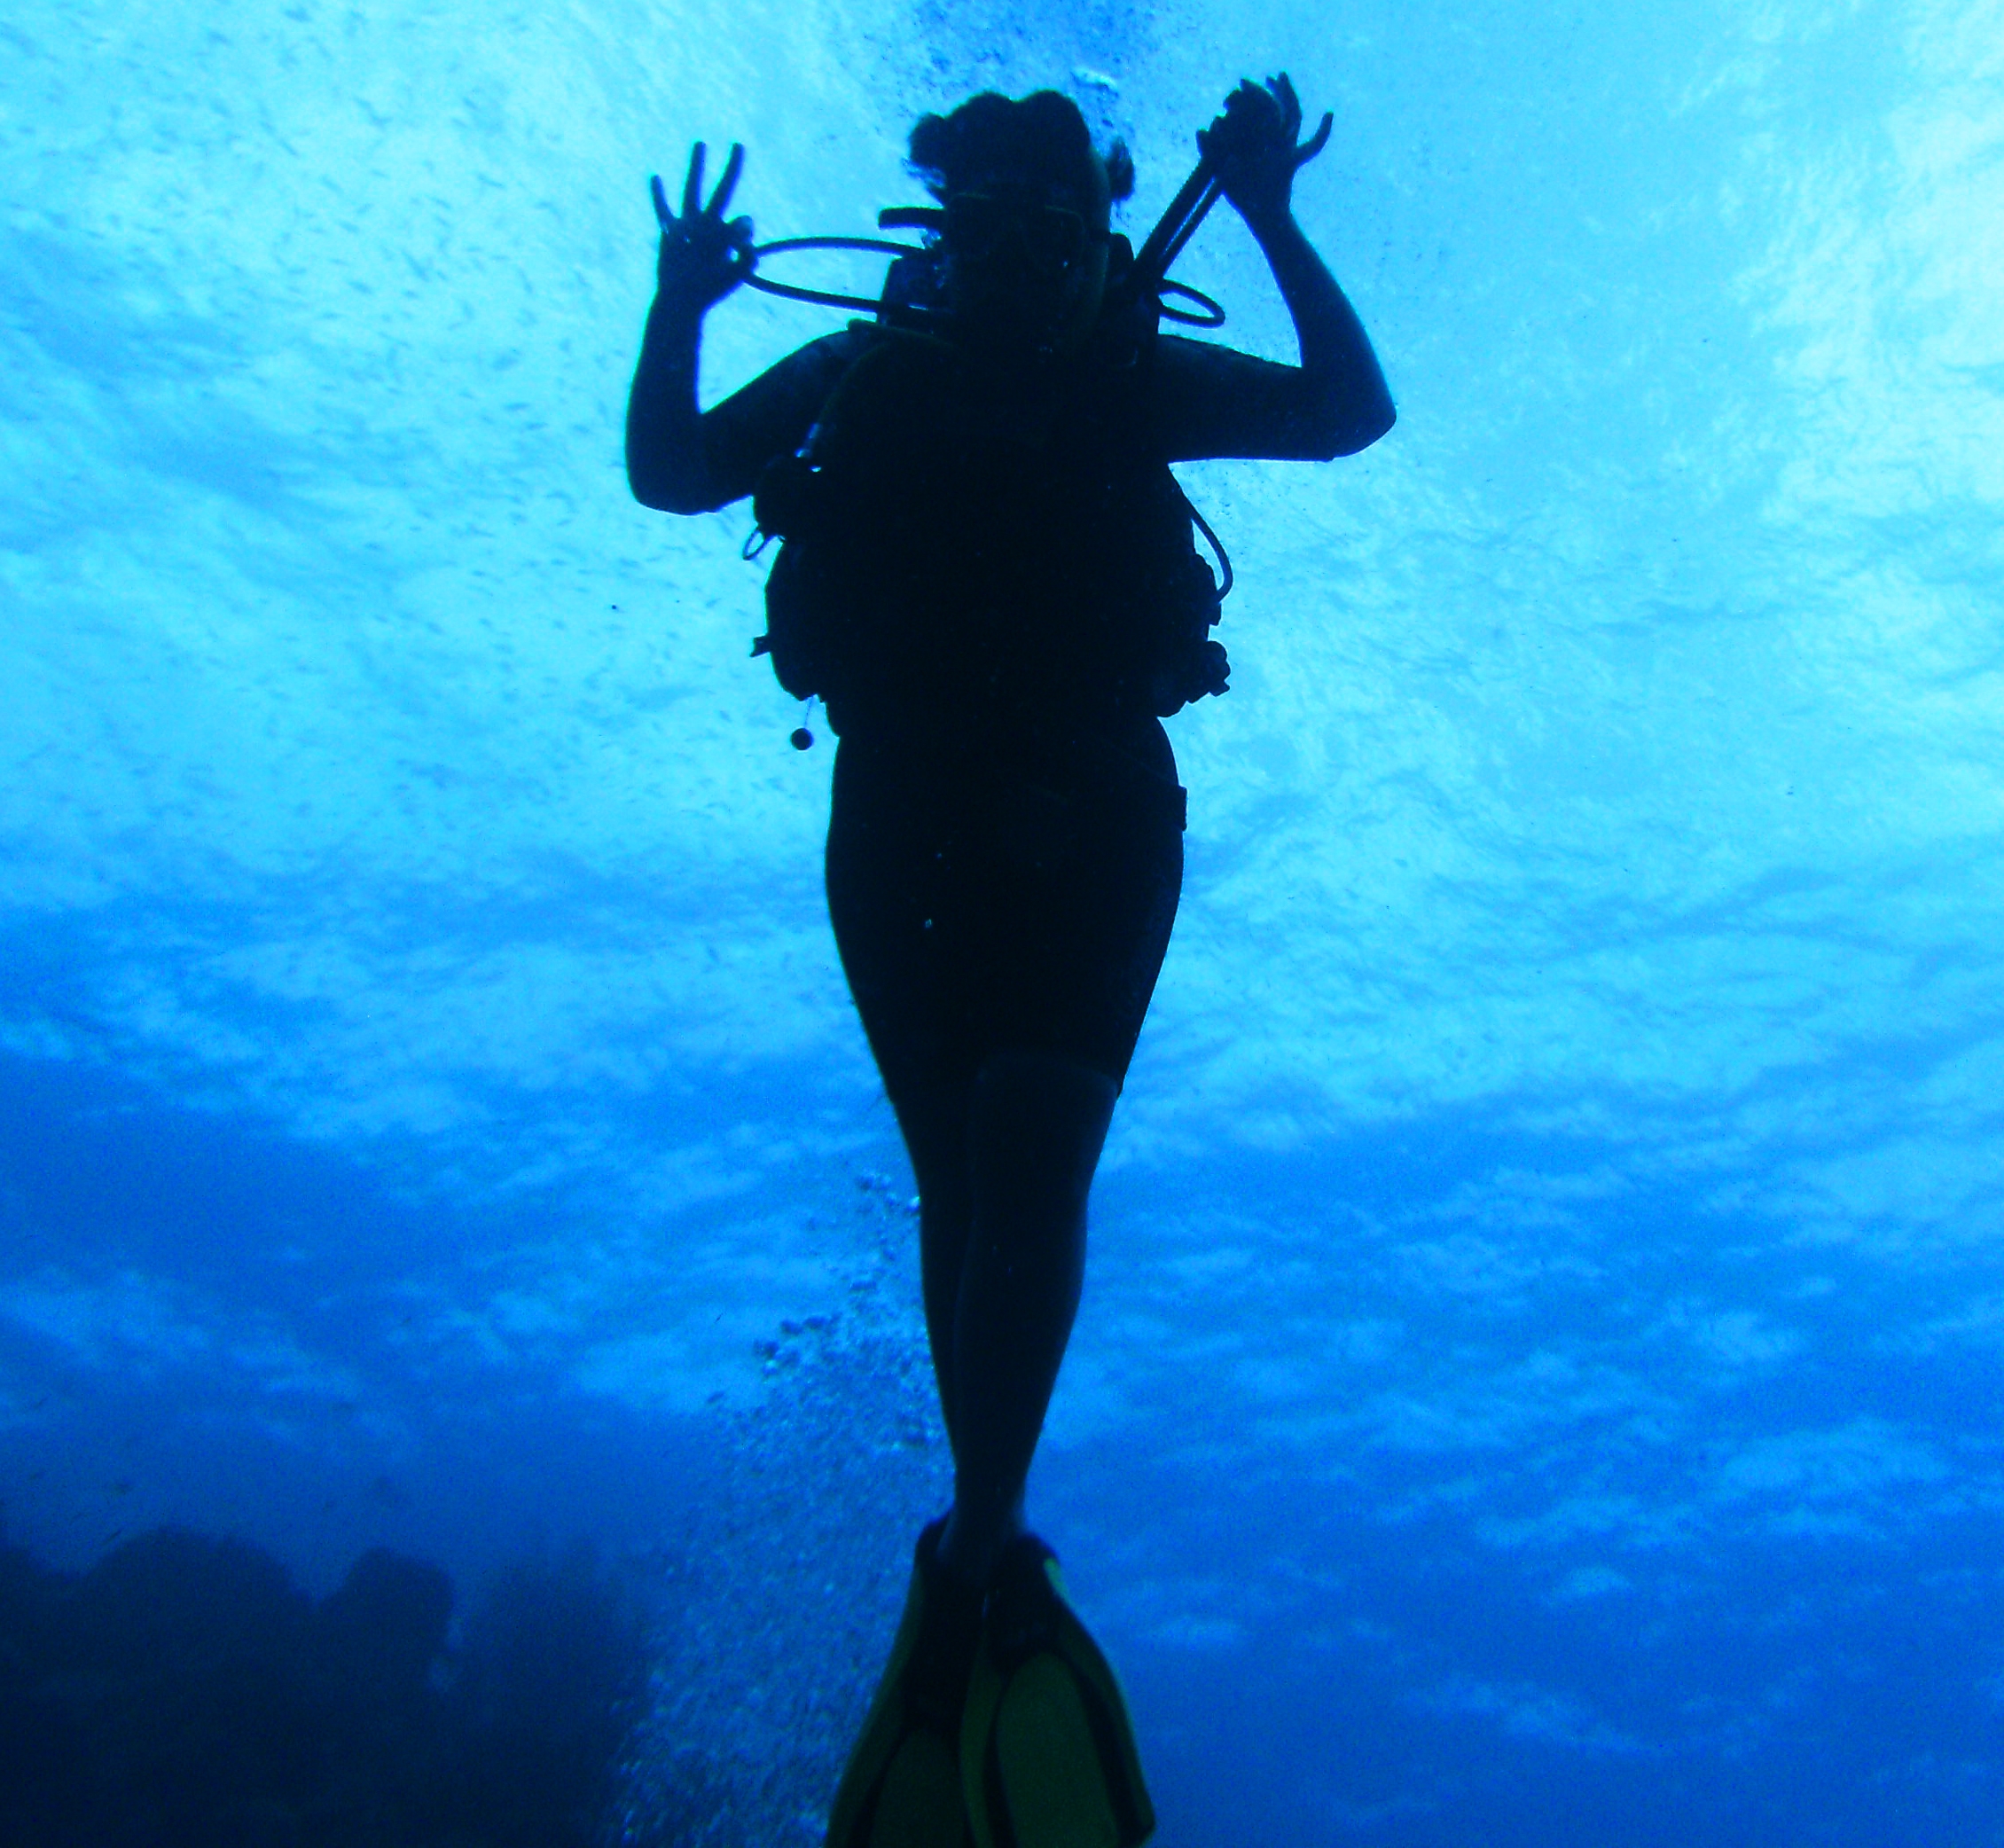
(185, 1692)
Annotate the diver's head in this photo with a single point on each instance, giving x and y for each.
(1028, 200)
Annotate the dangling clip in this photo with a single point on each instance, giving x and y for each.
(802, 739)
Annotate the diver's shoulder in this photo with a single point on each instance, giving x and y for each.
(827, 358)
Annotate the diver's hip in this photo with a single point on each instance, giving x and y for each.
(1083, 750)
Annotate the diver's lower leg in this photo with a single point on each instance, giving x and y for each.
(1036, 1129)
(933, 1121)
(945, 1233)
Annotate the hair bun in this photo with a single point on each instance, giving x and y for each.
(1042, 136)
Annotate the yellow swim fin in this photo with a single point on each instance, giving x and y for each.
(902, 1786)
(1047, 1752)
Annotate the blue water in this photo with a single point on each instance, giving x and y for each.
(1539, 1374)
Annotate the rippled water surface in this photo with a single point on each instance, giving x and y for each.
(1539, 1370)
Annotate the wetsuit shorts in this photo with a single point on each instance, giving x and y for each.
(988, 900)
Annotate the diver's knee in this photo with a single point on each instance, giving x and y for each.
(1040, 1120)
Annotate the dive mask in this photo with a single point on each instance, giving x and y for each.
(978, 225)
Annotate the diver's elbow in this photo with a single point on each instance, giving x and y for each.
(666, 494)
(1360, 431)
(1340, 416)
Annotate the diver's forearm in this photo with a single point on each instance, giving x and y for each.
(665, 464)
(1350, 397)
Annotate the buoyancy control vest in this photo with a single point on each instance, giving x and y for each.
(951, 539)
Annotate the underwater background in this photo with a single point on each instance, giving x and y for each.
(1539, 1379)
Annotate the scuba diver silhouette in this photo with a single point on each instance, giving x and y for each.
(994, 591)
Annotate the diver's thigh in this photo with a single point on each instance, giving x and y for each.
(888, 874)
(1129, 908)
(881, 872)
(1075, 943)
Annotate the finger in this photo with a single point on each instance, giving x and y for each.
(732, 167)
(1307, 153)
(692, 187)
(1272, 109)
(663, 216)
(1291, 106)
(1277, 99)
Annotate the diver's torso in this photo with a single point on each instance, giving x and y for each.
(1000, 535)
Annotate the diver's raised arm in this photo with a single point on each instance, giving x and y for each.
(1346, 406)
(702, 259)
